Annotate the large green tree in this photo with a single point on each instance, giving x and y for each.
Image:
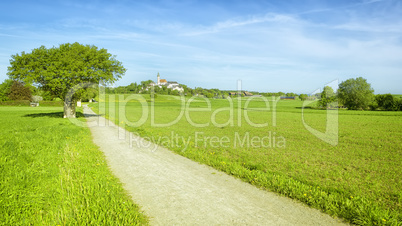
(60, 69)
(355, 93)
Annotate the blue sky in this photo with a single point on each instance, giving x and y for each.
(290, 46)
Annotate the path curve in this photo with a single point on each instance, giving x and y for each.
(173, 190)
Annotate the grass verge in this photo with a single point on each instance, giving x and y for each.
(52, 173)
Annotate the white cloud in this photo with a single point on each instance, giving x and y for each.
(372, 28)
(233, 23)
(9, 35)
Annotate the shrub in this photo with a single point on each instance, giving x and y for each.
(373, 106)
(398, 104)
(387, 102)
(15, 103)
(5, 89)
(19, 91)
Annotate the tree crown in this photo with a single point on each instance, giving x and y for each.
(58, 69)
(355, 93)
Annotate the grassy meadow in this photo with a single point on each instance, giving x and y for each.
(359, 179)
(52, 173)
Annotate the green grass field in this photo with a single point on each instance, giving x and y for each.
(52, 173)
(359, 180)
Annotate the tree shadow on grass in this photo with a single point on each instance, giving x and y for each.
(91, 115)
(53, 115)
(255, 109)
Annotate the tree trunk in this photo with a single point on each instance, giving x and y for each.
(69, 109)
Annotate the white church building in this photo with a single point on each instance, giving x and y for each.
(169, 85)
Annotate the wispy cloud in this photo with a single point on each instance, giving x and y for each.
(232, 23)
(367, 27)
(9, 35)
(365, 2)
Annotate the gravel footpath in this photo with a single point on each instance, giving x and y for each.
(173, 190)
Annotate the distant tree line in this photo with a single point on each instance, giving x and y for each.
(144, 88)
(279, 94)
(357, 94)
(386, 102)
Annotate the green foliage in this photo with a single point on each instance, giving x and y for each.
(175, 93)
(15, 103)
(186, 89)
(5, 89)
(209, 95)
(399, 104)
(291, 94)
(327, 97)
(52, 174)
(133, 88)
(164, 90)
(373, 106)
(278, 94)
(88, 94)
(355, 93)
(46, 95)
(59, 69)
(144, 84)
(355, 180)
(303, 97)
(18, 91)
(387, 102)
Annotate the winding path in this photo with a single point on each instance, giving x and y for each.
(173, 190)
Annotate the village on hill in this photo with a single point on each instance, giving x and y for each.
(165, 87)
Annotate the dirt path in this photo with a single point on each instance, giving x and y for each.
(173, 190)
